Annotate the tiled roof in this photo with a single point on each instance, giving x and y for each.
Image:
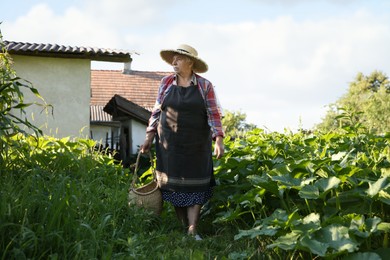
(139, 87)
(55, 50)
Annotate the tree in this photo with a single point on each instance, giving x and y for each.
(366, 104)
(235, 125)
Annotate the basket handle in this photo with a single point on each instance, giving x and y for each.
(135, 176)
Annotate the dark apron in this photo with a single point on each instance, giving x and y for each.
(183, 150)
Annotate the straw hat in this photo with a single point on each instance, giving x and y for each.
(184, 49)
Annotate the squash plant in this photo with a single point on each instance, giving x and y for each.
(322, 194)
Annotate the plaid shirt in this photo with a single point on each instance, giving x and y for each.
(206, 89)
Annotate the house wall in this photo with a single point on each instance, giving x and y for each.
(63, 83)
(100, 134)
(138, 132)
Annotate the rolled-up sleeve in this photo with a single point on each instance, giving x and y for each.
(156, 111)
(214, 111)
(154, 118)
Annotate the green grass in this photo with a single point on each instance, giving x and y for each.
(61, 200)
(85, 218)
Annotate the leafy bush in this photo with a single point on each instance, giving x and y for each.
(321, 195)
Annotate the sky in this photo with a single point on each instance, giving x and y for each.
(281, 62)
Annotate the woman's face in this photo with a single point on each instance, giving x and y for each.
(182, 63)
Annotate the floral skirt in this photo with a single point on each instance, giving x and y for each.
(186, 199)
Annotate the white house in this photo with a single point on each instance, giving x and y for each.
(63, 77)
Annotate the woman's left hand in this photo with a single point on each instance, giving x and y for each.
(219, 147)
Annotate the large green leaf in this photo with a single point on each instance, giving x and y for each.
(385, 171)
(257, 231)
(306, 181)
(269, 225)
(364, 228)
(287, 180)
(307, 225)
(280, 170)
(286, 242)
(309, 192)
(265, 183)
(349, 198)
(315, 246)
(293, 219)
(279, 217)
(384, 226)
(377, 186)
(338, 156)
(328, 183)
(337, 237)
(372, 224)
(363, 256)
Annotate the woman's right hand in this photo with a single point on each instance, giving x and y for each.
(145, 147)
(147, 143)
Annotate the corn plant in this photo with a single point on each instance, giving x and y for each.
(13, 118)
(12, 105)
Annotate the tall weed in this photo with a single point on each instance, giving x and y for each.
(61, 199)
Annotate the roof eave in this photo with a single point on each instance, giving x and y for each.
(129, 108)
(89, 56)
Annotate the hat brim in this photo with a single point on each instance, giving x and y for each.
(199, 65)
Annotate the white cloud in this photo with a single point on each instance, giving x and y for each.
(129, 13)
(278, 71)
(73, 27)
(282, 71)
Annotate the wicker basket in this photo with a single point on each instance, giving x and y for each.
(147, 196)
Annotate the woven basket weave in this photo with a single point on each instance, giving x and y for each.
(147, 196)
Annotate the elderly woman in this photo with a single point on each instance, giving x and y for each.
(186, 118)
